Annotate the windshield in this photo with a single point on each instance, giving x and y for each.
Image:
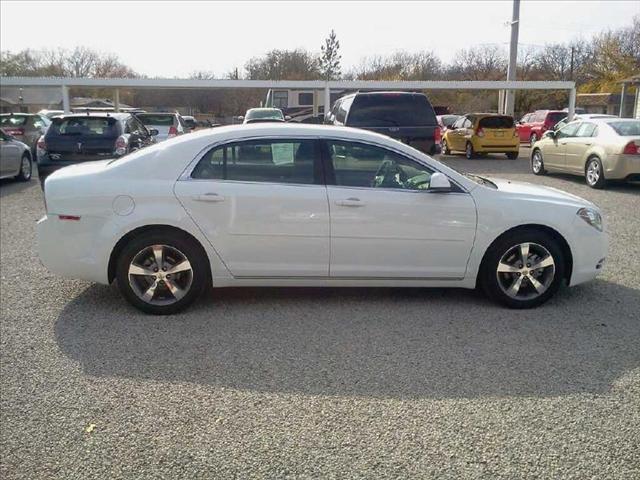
(391, 109)
(626, 129)
(164, 120)
(265, 113)
(13, 120)
(94, 126)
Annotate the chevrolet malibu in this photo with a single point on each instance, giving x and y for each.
(309, 205)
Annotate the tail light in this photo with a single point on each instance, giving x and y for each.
(480, 132)
(173, 131)
(14, 131)
(631, 148)
(437, 135)
(121, 145)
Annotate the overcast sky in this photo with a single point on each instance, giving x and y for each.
(175, 38)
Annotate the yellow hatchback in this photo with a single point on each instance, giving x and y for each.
(480, 133)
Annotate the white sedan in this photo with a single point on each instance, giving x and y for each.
(309, 205)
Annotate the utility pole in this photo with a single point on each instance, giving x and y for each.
(509, 106)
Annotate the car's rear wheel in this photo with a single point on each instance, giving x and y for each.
(512, 155)
(162, 272)
(594, 173)
(469, 152)
(537, 163)
(26, 168)
(533, 138)
(523, 269)
(445, 148)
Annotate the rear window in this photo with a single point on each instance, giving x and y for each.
(391, 110)
(87, 126)
(496, 122)
(161, 120)
(13, 121)
(266, 113)
(626, 129)
(555, 117)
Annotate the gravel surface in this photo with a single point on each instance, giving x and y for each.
(321, 383)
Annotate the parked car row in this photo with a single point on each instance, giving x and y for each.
(15, 158)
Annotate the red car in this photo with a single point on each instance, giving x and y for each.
(531, 127)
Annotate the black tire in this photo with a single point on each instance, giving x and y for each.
(489, 276)
(534, 168)
(24, 175)
(469, 152)
(445, 148)
(533, 139)
(512, 155)
(181, 242)
(596, 163)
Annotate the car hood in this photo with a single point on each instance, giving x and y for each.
(539, 192)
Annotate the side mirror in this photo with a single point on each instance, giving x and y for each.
(439, 183)
(153, 132)
(241, 118)
(452, 127)
(287, 118)
(549, 134)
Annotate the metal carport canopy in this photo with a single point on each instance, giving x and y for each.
(327, 86)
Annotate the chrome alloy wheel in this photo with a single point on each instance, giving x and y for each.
(160, 275)
(526, 271)
(536, 164)
(25, 168)
(593, 172)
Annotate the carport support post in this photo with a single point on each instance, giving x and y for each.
(327, 98)
(622, 95)
(116, 100)
(572, 104)
(66, 105)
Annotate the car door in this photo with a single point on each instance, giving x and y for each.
(577, 146)
(457, 135)
(9, 155)
(524, 129)
(385, 223)
(554, 149)
(262, 204)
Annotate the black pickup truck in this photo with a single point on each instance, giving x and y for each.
(406, 116)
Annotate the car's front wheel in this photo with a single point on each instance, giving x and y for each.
(445, 148)
(162, 272)
(469, 152)
(537, 163)
(523, 269)
(533, 139)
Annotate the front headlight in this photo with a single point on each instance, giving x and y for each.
(592, 217)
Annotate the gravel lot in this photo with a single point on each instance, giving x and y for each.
(321, 383)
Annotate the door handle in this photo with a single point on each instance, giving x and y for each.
(209, 197)
(350, 202)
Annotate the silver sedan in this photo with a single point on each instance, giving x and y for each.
(15, 158)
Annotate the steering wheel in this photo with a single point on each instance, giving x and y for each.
(388, 170)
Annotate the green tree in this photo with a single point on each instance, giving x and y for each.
(330, 58)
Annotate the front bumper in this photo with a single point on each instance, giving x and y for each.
(67, 248)
(589, 250)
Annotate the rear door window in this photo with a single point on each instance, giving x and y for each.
(272, 161)
(391, 110)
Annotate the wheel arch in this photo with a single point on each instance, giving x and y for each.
(564, 245)
(115, 252)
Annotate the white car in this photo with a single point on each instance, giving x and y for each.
(277, 204)
(169, 125)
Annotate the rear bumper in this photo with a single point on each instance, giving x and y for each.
(67, 248)
(622, 167)
(503, 147)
